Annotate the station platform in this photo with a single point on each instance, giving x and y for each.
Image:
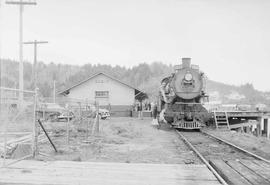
(71, 172)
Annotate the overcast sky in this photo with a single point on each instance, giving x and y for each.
(228, 39)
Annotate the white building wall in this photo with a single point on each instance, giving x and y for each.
(119, 94)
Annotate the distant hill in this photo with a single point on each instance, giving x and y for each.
(244, 94)
(147, 77)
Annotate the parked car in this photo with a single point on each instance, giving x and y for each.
(51, 110)
(65, 116)
(104, 113)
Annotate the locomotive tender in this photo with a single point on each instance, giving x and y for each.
(181, 96)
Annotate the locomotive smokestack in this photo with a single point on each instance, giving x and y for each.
(186, 62)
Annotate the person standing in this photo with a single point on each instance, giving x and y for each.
(140, 110)
(154, 113)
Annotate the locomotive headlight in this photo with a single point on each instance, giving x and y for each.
(188, 77)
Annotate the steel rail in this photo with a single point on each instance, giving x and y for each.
(237, 147)
(220, 179)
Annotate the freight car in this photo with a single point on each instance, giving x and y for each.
(181, 97)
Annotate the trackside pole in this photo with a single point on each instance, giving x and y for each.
(268, 128)
(97, 126)
(67, 126)
(35, 134)
(5, 143)
(88, 120)
(89, 126)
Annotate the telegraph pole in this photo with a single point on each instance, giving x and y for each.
(0, 59)
(35, 43)
(21, 4)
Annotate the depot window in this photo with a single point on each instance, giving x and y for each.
(102, 94)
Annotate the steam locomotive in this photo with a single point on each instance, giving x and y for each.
(181, 96)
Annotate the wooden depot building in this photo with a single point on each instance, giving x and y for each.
(111, 93)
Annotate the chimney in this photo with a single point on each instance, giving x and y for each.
(186, 62)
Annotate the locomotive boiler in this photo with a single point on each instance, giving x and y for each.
(181, 96)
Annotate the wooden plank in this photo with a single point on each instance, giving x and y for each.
(228, 174)
(145, 169)
(15, 133)
(252, 177)
(98, 179)
(242, 125)
(262, 164)
(183, 171)
(257, 169)
(17, 140)
(104, 181)
(21, 151)
(7, 183)
(80, 174)
(14, 142)
(199, 174)
(69, 172)
(69, 164)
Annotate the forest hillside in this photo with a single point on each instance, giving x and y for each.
(144, 76)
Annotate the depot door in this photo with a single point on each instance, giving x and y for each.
(102, 97)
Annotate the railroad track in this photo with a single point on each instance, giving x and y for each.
(228, 162)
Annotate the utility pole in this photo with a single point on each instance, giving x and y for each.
(0, 59)
(35, 43)
(21, 4)
(34, 75)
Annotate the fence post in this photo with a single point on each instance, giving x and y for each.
(35, 135)
(67, 126)
(43, 112)
(5, 141)
(268, 128)
(1, 115)
(97, 125)
(80, 110)
(258, 130)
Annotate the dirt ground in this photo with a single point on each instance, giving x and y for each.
(129, 140)
(257, 145)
